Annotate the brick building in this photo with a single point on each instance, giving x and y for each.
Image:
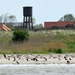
(58, 24)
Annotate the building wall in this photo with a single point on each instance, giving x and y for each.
(0, 26)
(60, 24)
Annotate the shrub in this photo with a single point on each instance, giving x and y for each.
(20, 35)
(59, 50)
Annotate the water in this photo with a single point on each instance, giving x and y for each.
(33, 69)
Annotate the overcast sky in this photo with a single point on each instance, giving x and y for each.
(43, 10)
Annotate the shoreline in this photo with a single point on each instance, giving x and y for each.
(37, 64)
(37, 59)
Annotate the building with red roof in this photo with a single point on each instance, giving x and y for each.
(58, 24)
(4, 27)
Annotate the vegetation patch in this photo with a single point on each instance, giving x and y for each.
(20, 35)
(39, 42)
(59, 50)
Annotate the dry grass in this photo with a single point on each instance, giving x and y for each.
(39, 42)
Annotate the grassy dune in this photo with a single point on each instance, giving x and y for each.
(49, 41)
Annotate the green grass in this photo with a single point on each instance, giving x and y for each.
(41, 42)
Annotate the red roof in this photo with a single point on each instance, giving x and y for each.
(51, 24)
(4, 27)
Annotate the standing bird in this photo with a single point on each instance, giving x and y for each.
(68, 62)
(34, 59)
(17, 62)
(4, 56)
(45, 58)
(69, 58)
(14, 59)
(27, 59)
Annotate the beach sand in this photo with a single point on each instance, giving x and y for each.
(37, 59)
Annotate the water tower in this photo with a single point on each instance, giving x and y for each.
(27, 18)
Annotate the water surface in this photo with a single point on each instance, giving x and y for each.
(40, 69)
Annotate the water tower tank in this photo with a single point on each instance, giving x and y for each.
(27, 11)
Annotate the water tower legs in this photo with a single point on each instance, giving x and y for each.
(28, 23)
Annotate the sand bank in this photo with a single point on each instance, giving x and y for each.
(37, 59)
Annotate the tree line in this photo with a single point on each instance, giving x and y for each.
(10, 20)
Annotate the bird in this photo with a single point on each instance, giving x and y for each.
(59, 55)
(45, 58)
(65, 57)
(69, 58)
(14, 59)
(17, 62)
(8, 58)
(50, 55)
(27, 59)
(68, 62)
(4, 56)
(59, 59)
(34, 59)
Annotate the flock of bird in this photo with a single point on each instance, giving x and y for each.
(36, 57)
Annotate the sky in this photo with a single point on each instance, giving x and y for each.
(43, 10)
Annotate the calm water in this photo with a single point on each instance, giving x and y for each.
(32, 69)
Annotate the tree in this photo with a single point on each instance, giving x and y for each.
(67, 17)
(12, 20)
(20, 35)
(8, 20)
(4, 18)
(38, 26)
